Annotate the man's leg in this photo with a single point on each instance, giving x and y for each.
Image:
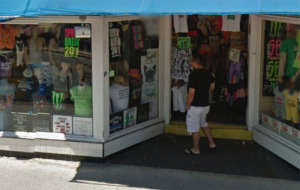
(207, 132)
(192, 123)
(196, 141)
(206, 128)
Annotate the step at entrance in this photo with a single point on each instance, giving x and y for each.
(223, 131)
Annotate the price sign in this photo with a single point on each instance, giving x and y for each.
(184, 42)
(234, 55)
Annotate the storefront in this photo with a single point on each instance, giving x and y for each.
(75, 86)
(275, 58)
(94, 85)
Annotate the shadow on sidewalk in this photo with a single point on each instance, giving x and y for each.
(235, 157)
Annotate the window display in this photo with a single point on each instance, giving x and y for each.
(281, 81)
(45, 78)
(222, 40)
(133, 63)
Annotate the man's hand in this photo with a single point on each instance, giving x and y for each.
(188, 107)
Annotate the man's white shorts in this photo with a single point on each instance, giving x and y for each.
(196, 118)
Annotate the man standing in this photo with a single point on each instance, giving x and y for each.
(201, 83)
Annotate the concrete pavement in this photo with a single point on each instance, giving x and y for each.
(53, 174)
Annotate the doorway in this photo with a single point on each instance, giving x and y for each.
(223, 42)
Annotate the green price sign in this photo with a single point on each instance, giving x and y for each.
(184, 42)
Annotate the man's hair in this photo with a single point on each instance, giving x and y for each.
(198, 58)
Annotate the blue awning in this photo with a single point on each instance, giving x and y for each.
(34, 8)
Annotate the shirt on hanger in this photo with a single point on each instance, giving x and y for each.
(83, 100)
(289, 47)
(291, 106)
(180, 23)
(231, 23)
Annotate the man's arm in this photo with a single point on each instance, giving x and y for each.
(190, 98)
(212, 86)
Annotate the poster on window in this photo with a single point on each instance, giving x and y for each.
(62, 124)
(115, 122)
(21, 121)
(41, 122)
(115, 33)
(83, 126)
(129, 117)
(142, 113)
(274, 35)
(149, 68)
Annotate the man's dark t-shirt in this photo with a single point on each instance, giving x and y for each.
(200, 80)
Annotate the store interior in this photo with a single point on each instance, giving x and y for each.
(223, 42)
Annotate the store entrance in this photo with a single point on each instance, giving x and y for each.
(223, 42)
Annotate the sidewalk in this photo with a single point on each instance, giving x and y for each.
(233, 157)
(52, 174)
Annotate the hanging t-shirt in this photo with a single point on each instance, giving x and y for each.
(46, 74)
(119, 96)
(138, 32)
(7, 36)
(82, 97)
(194, 39)
(115, 41)
(297, 56)
(62, 85)
(214, 42)
(25, 88)
(135, 86)
(179, 98)
(19, 50)
(181, 67)
(289, 47)
(279, 103)
(137, 43)
(231, 23)
(291, 106)
(7, 93)
(5, 67)
(180, 23)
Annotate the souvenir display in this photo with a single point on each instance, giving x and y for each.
(45, 76)
(134, 66)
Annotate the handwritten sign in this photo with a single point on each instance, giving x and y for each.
(274, 35)
(71, 43)
(184, 42)
(234, 55)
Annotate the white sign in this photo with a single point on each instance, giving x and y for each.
(62, 124)
(234, 55)
(83, 126)
(82, 32)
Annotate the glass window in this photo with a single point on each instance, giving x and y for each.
(46, 78)
(134, 63)
(279, 101)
